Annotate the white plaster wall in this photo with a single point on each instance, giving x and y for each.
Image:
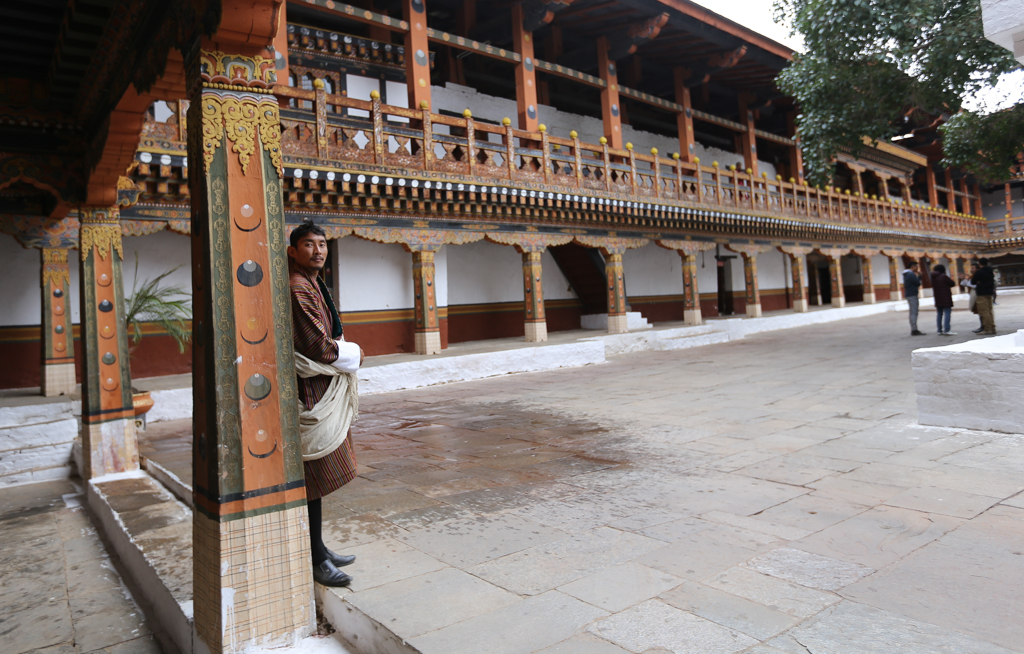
(359, 87)
(157, 253)
(457, 98)
(372, 276)
(880, 270)
(556, 285)
(20, 294)
(652, 270)
(484, 273)
(851, 272)
(707, 272)
(739, 284)
(440, 275)
(772, 270)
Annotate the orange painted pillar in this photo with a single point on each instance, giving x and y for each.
(796, 157)
(950, 196)
(252, 576)
(611, 111)
(933, 192)
(58, 373)
(108, 417)
(526, 73)
(417, 53)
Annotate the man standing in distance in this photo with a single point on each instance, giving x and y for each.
(911, 287)
(318, 335)
(985, 288)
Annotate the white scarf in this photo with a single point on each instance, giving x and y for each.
(325, 427)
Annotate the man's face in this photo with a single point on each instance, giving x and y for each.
(915, 268)
(974, 268)
(310, 253)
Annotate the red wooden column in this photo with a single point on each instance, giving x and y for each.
(58, 343)
(611, 111)
(747, 138)
(753, 290)
(108, 418)
(252, 577)
(796, 157)
(684, 119)
(417, 53)
(526, 73)
(950, 196)
(691, 292)
(933, 192)
(978, 210)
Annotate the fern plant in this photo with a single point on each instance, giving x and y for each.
(152, 301)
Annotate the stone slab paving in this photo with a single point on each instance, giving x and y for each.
(59, 591)
(770, 495)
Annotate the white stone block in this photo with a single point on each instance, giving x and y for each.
(170, 405)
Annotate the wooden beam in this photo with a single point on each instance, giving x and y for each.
(933, 192)
(950, 194)
(526, 76)
(796, 157)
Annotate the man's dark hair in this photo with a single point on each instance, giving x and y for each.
(983, 262)
(307, 227)
(940, 269)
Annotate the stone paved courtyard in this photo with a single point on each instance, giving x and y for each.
(771, 495)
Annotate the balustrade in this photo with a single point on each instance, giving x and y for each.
(346, 130)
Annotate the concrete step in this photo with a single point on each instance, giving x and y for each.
(694, 340)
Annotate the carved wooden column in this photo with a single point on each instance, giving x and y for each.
(753, 292)
(835, 273)
(533, 297)
(417, 53)
(867, 276)
(797, 267)
(58, 343)
(252, 576)
(427, 334)
(1008, 199)
(950, 193)
(895, 290)
(617, 321)
(688, 251)
(611, 112)
(526, 73)
(108, 418)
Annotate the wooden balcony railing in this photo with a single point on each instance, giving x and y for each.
(345, 130)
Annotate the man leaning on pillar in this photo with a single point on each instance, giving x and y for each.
(326, 365)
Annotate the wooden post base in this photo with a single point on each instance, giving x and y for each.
(617, 324)
(800, 306)
(869, 298)
(58, 379)
(838, 302)
(536, 332)
(109, 447)
(428, 342)
(753, 311)
(692, 317)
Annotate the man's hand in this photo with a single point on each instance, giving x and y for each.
(362, 356)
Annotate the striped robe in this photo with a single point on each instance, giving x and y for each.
(311, 327)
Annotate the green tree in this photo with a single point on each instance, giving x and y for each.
(879, 68)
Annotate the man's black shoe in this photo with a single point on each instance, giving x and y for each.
(340, 560)
(916, 333)
(978, 330)
(326, 574)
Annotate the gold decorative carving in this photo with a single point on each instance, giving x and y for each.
(688, 247)
(612, 244)
(224, 68)
(103, 238)
(243, 120)
(528, 242)
(417, 240)
(100, 228)
(55, 267)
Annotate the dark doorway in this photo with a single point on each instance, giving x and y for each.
(825, 286)
(725, 304)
